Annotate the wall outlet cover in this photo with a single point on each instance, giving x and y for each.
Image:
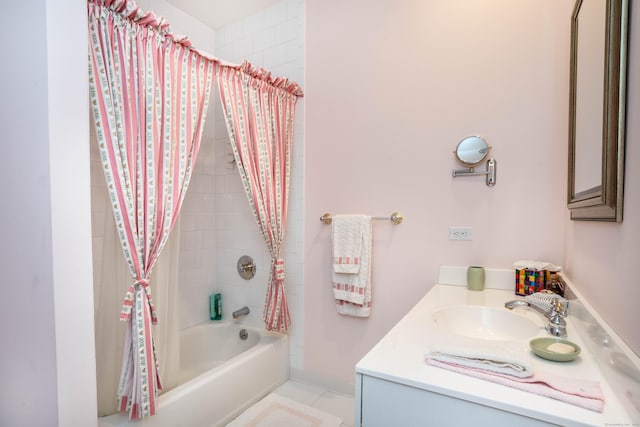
(460, 233)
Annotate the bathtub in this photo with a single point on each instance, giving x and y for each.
(221, 375)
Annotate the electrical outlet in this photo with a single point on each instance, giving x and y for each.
(460, 233)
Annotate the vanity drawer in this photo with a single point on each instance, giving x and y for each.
(385, 403)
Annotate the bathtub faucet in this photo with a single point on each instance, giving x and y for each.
(242, 312)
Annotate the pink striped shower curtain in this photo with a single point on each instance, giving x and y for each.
(149, 94)
(259, 112)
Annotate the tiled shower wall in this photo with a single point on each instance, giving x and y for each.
(197, 265)
(272, 38)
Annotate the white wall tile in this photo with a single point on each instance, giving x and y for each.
(275, 55)
(295, 50)
(242, 47)
(231, 32)
(264, 38)
(221, 131)
(275, 14)
(255, 23)
(233, 183)
(287, 31)
(295, 10)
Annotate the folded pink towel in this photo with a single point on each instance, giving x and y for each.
(583, 393)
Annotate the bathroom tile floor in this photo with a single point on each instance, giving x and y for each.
(320, 398)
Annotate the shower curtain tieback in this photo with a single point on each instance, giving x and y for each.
(276, 311)
(279, 269)
(134, 289)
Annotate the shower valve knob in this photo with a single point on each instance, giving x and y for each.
(246, 267)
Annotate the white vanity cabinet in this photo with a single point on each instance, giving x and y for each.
(383, 403)
(396, 387)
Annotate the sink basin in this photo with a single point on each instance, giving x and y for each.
(487, 323)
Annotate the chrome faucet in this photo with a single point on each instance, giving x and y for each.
(242, 312)
(556, 325)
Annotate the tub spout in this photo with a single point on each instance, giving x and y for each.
(242, 312)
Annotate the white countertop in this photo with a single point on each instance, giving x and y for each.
(399, 357)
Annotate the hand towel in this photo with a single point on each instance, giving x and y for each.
(352, 291)
(503, 358)
(584, 393)
(347, 238)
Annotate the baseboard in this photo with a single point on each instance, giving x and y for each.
(316, 379)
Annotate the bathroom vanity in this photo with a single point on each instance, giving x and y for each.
(394, 385)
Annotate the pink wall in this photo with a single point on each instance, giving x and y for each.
(602, 258)
(390, 89)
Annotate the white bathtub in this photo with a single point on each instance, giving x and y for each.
(223, 375)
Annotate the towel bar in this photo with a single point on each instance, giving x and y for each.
(395, 218)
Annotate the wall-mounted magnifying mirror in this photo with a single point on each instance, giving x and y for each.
(471, 151)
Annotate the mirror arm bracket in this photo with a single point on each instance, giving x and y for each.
(490, 172)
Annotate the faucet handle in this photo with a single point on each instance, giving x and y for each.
(557, 325)
(558, 308)
(557, 313)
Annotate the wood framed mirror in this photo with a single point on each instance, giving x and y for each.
(597, 97)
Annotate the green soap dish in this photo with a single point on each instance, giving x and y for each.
(555, 349)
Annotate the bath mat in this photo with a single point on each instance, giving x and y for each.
(277, 411)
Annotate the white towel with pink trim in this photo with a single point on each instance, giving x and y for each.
(351, 268)
(346, 235)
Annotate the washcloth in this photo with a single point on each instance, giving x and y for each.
(347, 240)
(352, 290)
(501, 358)
(536, 265)
(584, 393)
(544, 299)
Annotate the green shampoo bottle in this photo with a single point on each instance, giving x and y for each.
(215, 306)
